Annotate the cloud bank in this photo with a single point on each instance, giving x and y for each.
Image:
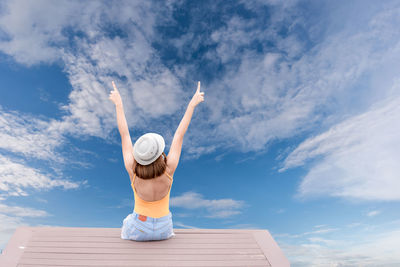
(357, 158)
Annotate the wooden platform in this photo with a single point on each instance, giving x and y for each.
(69, 246)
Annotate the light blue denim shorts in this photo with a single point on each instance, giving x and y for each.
(151, 229)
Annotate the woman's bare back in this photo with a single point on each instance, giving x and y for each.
(153, 189)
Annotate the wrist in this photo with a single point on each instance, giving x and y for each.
(191, 105)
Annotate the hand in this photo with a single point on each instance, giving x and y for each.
(197, 97)
(115, 96)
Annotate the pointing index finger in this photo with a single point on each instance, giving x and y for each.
(198, 86)
(115, 88)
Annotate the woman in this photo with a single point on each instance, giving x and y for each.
(151, 172)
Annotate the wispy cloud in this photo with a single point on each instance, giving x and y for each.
(317, 230)
(182, 225)
(22, 211)
(358, 247)
(245, 226)
(373, 213)
(17, 177)
(215, 208)
(124, 203)
(29, 136)
(359, 156)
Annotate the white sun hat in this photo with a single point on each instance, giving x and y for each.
(148, 148)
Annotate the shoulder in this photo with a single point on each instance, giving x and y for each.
(169, 170)
(134, 163)
(131, 172)
(170, 167)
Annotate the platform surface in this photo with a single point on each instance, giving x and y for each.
(70, 246)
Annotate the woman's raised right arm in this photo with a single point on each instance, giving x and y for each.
(176, 146)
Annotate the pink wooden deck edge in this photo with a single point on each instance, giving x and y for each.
(12, 253)
(271, 249)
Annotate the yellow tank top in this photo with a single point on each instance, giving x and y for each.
(155, 209)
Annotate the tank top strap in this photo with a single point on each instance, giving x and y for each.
(170, 177)
(133, 180)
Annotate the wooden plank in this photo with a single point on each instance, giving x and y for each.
(142, 250)
(128, 243)
(39, 265)
(202, 263)
(131, 256)
(117, 231)
(117, 240)
(49, 236)
(93, 229)
(15, 247)
(216, 231)
(271, 249)
(148, 245)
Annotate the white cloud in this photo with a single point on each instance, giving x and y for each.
(359, 247)
(34, 36)
(373, 213)
(123, 203)
(17, 177)
(27, 42)
(22, 211)
(216, 208)
(182, 225)
(34, 137)
(359, 156)
(222, 213)
(27, 135)
(317, 230)
(280, 211)
(245, 226)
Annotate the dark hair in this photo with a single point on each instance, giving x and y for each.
(153, 170)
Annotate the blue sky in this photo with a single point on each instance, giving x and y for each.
(298, 133)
